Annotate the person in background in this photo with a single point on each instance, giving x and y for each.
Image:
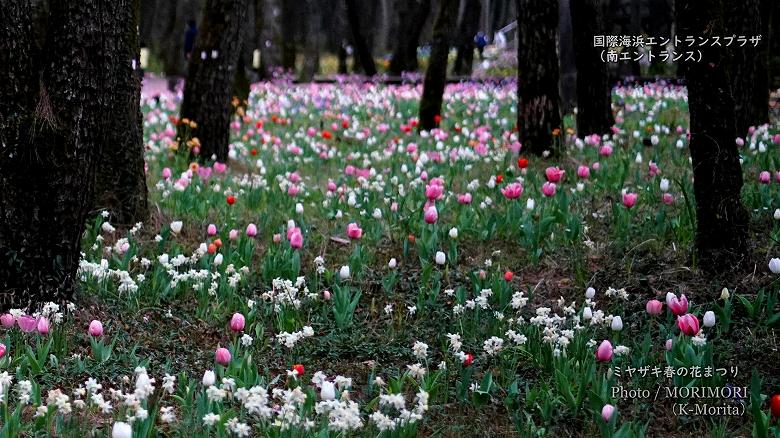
(189, 38)
(481, 42)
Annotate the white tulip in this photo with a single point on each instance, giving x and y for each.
(209, 378)
(121, 430)
(453, 233)
(664, 185)
(617, 324)
(441, 258)
(777, 214)
(377, 214)
(530, 204)
(709, 318)
(590, 293)
(774, 266)
(328, 391)
(218, 259)
(392, 263)
(587, 313)
(344, 272)
(299, 208)
(176, 227)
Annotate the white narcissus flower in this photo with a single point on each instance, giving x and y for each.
(441, 258)
(176, 227)
(121, 430)
(344, 272)
(774, 266)
(709, 319)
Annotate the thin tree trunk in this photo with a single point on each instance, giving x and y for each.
(594, 92)
(568, 63)
(469, 26)
(120, 185)
(362, 50)
(311, 62)
(54, 107)
(289, 50)
(538, 99)
(436, 74)
(212, 69)
(722, 221)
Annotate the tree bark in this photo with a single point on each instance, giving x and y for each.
(567, 63)
(54, 114)
(311, 62)
(722, 220)
(288, 34)
(436, 73)
(594, 92)
(538, 99)
(469, 25)
(362, 50)
(412, 16)
(212, 69)
(120, 185)
(748, 64)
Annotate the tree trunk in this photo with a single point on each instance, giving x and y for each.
(594, 92)
(436, 74)
(748, 64)
(567, 63)
(120, 185)
(54, 115)
(722, 221)
(538, 99)
(362, 50)
(289, 52)
(412, 16)
(469, 25)
(212, 69)
(311, 62)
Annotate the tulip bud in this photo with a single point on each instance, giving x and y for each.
(668, 344)
(617, 324)
(3, 349)
(392, 263)
(344, 272)
(724, 294)
(326, 295)
(606, 412)
(7, 320)
(328, 391)
(209, 378)
(43, 326)
(709, 319)
(222, 356)
(587, 313)
(440, 258)
(453, 233)
(122, 430)
(604, 352)
(590, 293)
(237, 322)
(95, 328)
(774, 266)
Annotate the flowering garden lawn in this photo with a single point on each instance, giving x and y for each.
(344, 275)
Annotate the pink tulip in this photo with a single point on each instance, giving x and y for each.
(667, 198)
(354, 231)
(464, 198)
(606, 412)
(331, 186)
(233, 235)
(292, 190)
(43, 326)
(211, 230)
(605, 151)
(394, 207)
(326, 295)
(777, 177)
(776, 139)
(95, 328)
(583, 172)
(237, 322)
(296, 240)
(27, 323)
(654, 307)
(668, 344)
(604, 352)
(166, 173)
(277, 238)
(688, 324)
(764, 177)
(677, 306)
(512, 191)
(548, 189)
(3, 349)
(222, 356)
(431, 215)
(629, 199)
(251, 230)
(553, 174)
(653, 169)
(434, 191)
(7, 320)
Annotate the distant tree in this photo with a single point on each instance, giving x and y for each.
(289, 32)
(313, 43)
(721, 219)
(212, 69)
(538, 106)
(362, 49)
(436, 73)
(748, 64)
(56, 108)
(468, 27)
(594, 91)
(120, 185)
(412, 15)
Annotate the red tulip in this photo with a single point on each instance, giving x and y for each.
(231, 200)
(688, 324)
(508, 275)
(468, 360)
(522, 163)
(499, 178)
(774, 404)
(298, 368)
